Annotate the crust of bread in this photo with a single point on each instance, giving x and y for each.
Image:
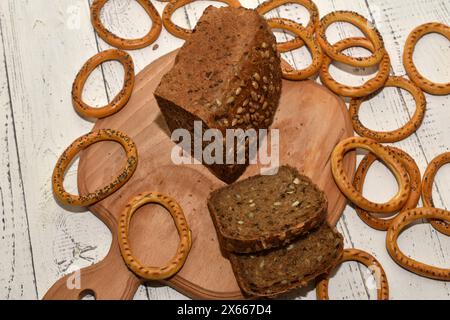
(227, 75)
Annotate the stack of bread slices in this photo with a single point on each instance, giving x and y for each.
(273, 230)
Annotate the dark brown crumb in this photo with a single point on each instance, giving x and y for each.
(266, 211)
(276, 271)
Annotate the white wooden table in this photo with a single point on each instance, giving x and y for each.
(43, 45)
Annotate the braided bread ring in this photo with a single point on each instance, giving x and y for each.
(297, 42)
(398, 225)
(395, 135)
(120, 100)
(175, 264)
(383, 153)
(366, 259)
(415, 76)
(308, 38)
(82, 143)
(369, 86)
(414, 175)
(371, 33)
(172, 6)
(427, 189)
(127, 44)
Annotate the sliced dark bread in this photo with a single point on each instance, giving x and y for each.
(276, 271)
(226, 75)
(266, 211)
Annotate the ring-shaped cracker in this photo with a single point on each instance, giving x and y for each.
(287, 71)
(359, 21)
(121, 43)
(367, 260)
(403, 220)
(427, 189)
(363, 90)
(395, 135)
(120, 100)
(173, 5)
(415, 76)
(297, 42)
(384, 154)
(82, 143)
(175, 264)
(414, 197)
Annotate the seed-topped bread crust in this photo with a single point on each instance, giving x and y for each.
(227, 75)
(263, 212)
(276, 271)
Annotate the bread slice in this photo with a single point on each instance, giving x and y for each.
(227, 75)
(263, 212)
(276, 271)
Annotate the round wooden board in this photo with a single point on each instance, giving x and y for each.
(311, 121)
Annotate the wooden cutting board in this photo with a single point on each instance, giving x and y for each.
(311, 121)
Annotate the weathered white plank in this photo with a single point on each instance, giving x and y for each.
(17, 279)
(44, 50)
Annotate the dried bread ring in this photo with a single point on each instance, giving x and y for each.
(297, 42)
(398, 225)
(127, 44)
(427, 189)
(120, 100)
(415, 76)
(308, 38)
(359, 21)
(82, 143)
(369, 86)
(395, 135)
(367, 260)
(175, 264)
(173, 5)
(414, 197)
(384, 154)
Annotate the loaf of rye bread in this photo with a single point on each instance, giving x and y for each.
(276, 271)
(226, 75)
(266, 211)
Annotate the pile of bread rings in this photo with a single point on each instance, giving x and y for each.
(406, 172)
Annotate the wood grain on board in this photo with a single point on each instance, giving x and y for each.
(311, 121)
(62, 39)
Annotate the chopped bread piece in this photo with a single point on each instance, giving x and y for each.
(266, 211)
(276, 271)
(227, 75)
